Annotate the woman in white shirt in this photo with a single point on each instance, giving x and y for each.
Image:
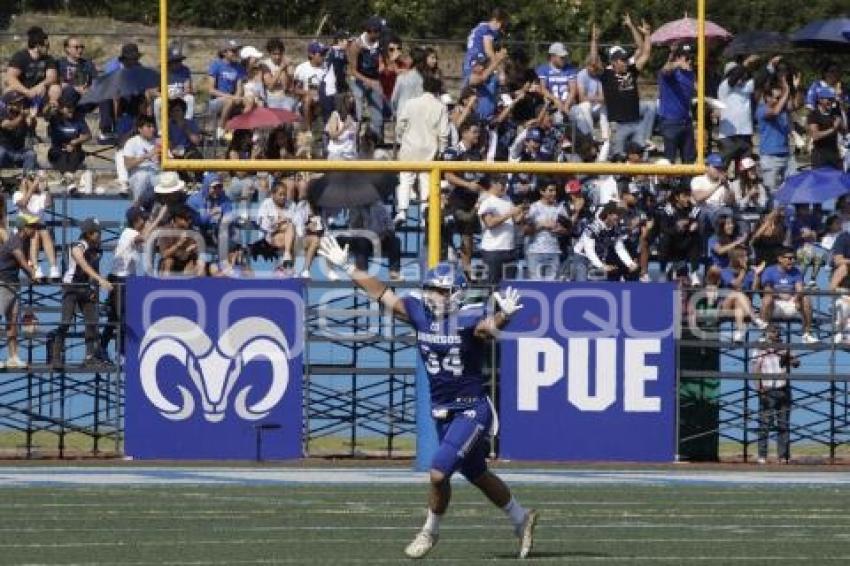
(342, 130)
(499, 219)
(275, 219)
(748, 189)
(33, 198)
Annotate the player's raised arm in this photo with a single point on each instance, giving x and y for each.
(337, 256)
(508, 303)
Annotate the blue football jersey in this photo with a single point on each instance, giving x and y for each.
(475, 43)
(557, 80)
(452, 354)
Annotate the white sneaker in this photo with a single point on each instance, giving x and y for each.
(100, 190)
(39, 274)
(422, 544)
(695, 282)
(838, 338)
(305, 274)
(526, 537)
(645, 278)
(738, 335)
(54, 272)
(15, 363)
(219, 133)
(400, 217)
(287, 257)
(760, 323)
(809, 339)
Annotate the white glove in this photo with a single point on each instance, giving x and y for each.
(509, 302)
(335, 255)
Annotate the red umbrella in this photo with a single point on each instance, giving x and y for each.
(686, 30)
(262, 117)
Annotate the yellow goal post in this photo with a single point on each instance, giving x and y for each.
(436, 168)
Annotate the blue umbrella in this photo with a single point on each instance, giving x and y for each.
(815, 186)
(826, 35)
(749, 42)
(123, 83)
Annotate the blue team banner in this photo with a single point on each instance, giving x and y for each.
(210, 360)
(588, 373)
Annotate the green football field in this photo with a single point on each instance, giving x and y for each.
(597, 523)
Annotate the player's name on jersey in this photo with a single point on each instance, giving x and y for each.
(429, 338)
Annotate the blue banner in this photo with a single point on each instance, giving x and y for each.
(210, 363)
(588, 373)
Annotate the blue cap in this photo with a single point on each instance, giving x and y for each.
(825, 92)
(316, 47)
(714, 160)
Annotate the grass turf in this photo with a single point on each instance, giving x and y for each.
(593, 524)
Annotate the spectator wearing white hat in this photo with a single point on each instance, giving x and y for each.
(254, 89)
(558, 78)
(748, 189)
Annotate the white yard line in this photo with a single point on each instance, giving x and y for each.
(143, 476)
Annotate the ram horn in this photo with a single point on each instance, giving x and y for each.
(182, 339)
(253, 338)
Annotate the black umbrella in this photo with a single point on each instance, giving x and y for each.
(750, 42)
(123, 83)
(830, 36)
(346, 190)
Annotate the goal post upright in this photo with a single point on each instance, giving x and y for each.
(426, 438)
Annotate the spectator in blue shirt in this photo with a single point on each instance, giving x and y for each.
(184, 135)
(68, 132)
(484, 78)
(774, 127)
(783, 293)
(211, 206)
(226, 75)
(725, 291)
(725, 239)
(558, 78)
(830, 77)
(676, 87)
(485, 38)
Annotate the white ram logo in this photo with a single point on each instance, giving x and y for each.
(214, 368)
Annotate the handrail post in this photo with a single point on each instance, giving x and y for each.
(435, 220)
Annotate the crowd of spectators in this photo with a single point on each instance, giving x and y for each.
(372, 96)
